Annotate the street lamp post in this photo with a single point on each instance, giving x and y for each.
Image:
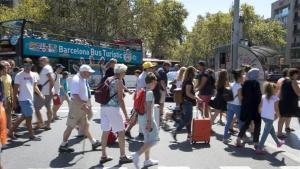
(235, 38)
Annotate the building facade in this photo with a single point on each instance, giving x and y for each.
(288, 13)
(9, 3)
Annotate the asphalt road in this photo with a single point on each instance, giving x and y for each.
(25, 154)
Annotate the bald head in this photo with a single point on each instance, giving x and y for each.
(44, 60)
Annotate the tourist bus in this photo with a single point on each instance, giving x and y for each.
(23, 38)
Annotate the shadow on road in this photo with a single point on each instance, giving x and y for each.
(186, 146)
(293, 141)
(249, 153)
(64, 159)
(134, 145)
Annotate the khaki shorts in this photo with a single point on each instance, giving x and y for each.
(39, 103)
(163, 95)
(76, 115)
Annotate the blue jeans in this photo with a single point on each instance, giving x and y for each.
(231, 110)
(187, 117)
(269, 129)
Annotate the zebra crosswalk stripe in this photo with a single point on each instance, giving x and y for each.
(159, 167)
(290, 167)
(235, 167)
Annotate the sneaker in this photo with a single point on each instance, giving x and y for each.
(136, 160)
(128, 135)
(260, 151)
(281, 142)
(96, 144)
(140, 137)
(65, 149)
(150, 162)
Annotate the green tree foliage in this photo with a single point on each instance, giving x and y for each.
(214, 30)
(29, 9)
(159, 24)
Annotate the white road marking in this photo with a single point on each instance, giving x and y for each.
(163, 167)
(159, 167)
(45, 168)
(290, 167)
(111, 168)
(234, 167)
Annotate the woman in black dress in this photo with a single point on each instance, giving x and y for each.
(288, 104)
(221, 104)
(249, 111)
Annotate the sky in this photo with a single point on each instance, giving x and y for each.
(201, 7)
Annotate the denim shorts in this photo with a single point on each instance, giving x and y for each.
(26, 108)
(149, 137)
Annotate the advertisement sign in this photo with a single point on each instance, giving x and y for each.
(51, 48)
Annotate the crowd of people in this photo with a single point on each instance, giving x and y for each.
(24, 92)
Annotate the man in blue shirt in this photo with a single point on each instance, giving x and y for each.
(163, 81)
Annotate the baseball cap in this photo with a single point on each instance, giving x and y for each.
(201, 63)
(86, 68)
(59, 66)
(148, 65)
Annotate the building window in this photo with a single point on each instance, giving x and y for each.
(282, 12)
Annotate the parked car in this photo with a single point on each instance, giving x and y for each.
(171, 77)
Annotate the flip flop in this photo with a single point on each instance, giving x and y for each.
(105, 159)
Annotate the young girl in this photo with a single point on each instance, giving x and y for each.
(64, 87)
(269, 112)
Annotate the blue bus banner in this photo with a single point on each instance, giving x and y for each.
(51, 48)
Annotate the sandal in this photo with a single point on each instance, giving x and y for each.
(105, 159)
(288, 130)
(125, 159)
(47, 128)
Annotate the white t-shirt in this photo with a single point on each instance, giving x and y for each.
(268, 107)
(235, 87)
(44, 78)
(26, 85)
(141, 83)
(79, 86)
(57, 83)
(150, 98)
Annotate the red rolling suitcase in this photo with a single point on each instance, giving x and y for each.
(201, 128)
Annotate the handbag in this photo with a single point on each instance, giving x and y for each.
(228, 94)
(213, 102)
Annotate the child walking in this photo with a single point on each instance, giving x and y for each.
(269, 112)
(148, 124)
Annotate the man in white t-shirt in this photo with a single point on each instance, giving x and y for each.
(80, 108)
(46, 83)
(56, 97)
(24, 88)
